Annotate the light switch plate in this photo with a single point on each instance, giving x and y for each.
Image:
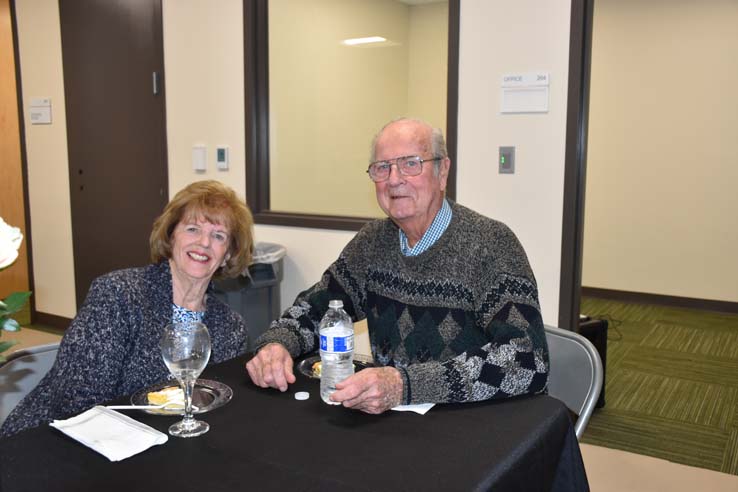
(199, 158)
(506, 160)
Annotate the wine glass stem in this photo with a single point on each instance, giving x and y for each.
(188, 387)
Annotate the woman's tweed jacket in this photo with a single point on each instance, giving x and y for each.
(111, 348)
(461, 321)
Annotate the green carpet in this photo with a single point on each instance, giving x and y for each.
(671, 384)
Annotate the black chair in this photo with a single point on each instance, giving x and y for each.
(22, 372)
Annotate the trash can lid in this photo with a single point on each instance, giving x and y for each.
(268, 252)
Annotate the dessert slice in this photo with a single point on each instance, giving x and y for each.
(171, 396)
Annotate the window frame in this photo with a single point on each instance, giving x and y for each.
(256, 77)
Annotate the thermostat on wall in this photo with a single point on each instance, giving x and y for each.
(221, 157)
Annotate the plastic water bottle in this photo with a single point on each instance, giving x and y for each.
(336, 349)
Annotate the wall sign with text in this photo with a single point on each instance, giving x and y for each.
(524, 92)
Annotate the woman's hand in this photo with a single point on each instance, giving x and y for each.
(271, 367)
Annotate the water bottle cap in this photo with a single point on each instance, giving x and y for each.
(335, 304)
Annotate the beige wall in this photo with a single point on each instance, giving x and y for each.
(661, 203)
(205, 104)
(497, 38)
(203, 68)
(39, 42)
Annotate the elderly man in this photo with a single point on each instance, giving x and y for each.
(449, 297)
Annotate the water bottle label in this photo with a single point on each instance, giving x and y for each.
(343, 344)
(336, 344)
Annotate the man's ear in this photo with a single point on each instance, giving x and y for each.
(443, 172)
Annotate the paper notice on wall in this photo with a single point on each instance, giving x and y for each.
(40, 111)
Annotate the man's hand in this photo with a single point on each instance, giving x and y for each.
(373, 390)
(271, 367)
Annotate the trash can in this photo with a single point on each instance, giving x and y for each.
(256, 296)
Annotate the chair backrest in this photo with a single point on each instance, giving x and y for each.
(22, 372)
(575, 374)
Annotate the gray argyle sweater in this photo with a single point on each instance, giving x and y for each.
(461, 321)
(112, 349)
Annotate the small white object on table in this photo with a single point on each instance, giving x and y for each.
(421, 408)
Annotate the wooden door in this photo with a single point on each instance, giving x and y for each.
(12, 199)
(113, 82)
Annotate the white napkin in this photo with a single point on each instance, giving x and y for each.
(421, 408)
(112, 434)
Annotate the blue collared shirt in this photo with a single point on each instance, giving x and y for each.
(434, 232)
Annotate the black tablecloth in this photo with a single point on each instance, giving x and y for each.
(267, 440)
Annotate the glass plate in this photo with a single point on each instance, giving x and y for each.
(208, 395)
(305, 366)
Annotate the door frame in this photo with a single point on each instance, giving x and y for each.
(575, 162)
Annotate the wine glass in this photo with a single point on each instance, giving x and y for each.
(185, 347)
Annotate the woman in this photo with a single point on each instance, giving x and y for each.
(111, 348)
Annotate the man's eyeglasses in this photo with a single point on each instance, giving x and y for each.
(409, 165)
